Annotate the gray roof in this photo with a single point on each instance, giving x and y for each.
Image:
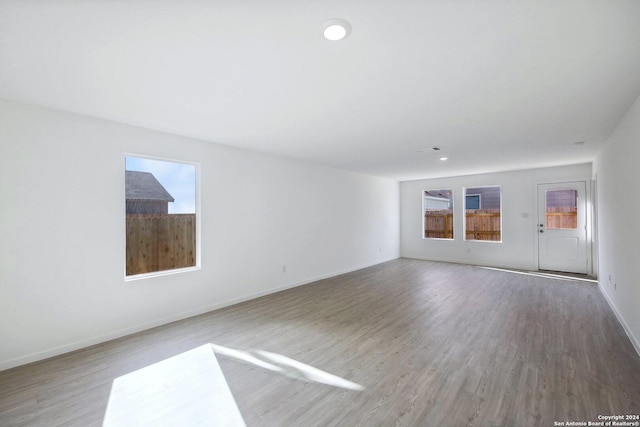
(145, 186)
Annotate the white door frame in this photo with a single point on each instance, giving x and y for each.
(588, 212)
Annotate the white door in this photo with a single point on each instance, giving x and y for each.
(562, 227)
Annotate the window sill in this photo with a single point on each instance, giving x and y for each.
(142, 276)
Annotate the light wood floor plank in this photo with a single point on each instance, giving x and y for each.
(431, 343)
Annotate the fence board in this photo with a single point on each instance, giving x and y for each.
(160, 242)
(438, 224)
(483, 224)
(562, 217)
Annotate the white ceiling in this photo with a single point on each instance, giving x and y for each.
(498, 85)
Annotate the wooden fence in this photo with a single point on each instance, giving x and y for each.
(481, 224)
(438, 224)
(160, 242)
(562, 217)
(484, 224)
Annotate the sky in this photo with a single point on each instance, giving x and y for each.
(179, 179)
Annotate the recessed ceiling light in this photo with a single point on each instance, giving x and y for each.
(336, 29)
(436, 148)
(579, 143)
(444, 158)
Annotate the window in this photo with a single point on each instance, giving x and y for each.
(472, 201)
(438, 214)
(483, 214)
(561, 209)
(161, 223)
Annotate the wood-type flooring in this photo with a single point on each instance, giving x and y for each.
(431, 344)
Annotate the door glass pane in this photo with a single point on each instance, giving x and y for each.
(561, 209)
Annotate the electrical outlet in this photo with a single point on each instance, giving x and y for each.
(284, 268)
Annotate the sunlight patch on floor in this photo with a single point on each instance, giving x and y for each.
(558, 276)
(185, 390)
(287, 366)
(190, 389)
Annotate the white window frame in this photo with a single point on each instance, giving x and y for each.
(453, 219)
(464, 220)
(198, 257)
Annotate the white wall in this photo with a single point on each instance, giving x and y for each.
(519, 217)
(62, 230)
(617, 173)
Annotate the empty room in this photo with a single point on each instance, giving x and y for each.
(328, 213)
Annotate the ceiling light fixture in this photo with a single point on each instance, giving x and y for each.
(444, 158)
(336, 29)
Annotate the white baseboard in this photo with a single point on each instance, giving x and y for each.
(634, 341)
(56, 351)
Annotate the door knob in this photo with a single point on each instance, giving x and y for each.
(542, 231)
